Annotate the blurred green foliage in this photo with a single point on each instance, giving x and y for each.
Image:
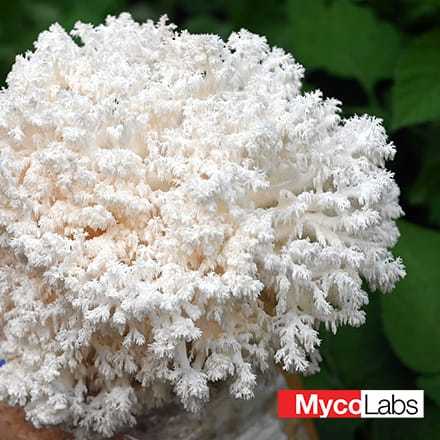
(378, 56)
(417, 301)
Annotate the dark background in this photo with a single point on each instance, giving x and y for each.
(380, 57)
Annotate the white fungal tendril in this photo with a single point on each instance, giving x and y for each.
(174, 211)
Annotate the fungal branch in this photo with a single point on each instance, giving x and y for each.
(155, 187)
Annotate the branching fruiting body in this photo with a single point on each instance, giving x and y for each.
(175, 212)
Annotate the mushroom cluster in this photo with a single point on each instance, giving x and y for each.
(175, 211)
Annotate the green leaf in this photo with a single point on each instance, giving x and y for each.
(356, 358)
(340, 429)
(419, 162)
(416, 10)
(416, 92)
(361, 356)
(260, 16)
(205, 24)
(424, 191)
(427, 428)
(411, 313)
(343, 38)
(431, 385)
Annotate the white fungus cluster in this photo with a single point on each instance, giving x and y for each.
(174, 211)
